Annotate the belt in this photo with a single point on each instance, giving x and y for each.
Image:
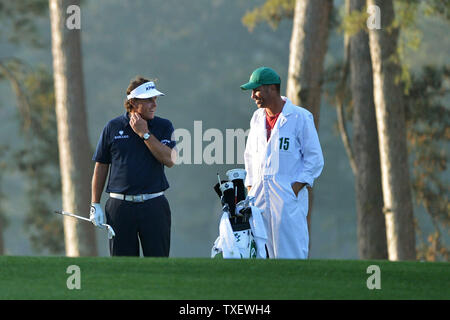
(136, 197)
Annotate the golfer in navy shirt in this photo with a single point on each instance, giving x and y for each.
(134, 148)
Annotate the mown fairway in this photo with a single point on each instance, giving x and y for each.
(204, 279)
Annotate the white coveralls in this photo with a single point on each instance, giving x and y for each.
(293, 153)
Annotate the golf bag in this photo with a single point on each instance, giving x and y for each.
(241, 229)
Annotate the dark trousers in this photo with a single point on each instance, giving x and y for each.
(146, 222)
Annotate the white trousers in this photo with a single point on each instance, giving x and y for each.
(284, 216)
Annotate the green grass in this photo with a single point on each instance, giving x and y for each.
(204, 279)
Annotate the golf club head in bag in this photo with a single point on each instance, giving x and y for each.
(233, 194)
(241, 220)
(228, 197)
(237, 176)
(217, 188)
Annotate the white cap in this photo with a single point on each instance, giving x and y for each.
(144, 91)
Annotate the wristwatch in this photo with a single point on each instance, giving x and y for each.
(146, 136)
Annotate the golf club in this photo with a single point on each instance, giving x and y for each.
(110, 230)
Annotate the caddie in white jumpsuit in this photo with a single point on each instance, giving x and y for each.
(282, 157)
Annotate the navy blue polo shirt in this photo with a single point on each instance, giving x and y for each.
(133, 168)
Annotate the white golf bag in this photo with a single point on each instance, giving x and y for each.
(242, 233)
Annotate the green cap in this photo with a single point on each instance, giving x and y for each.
(260, 76)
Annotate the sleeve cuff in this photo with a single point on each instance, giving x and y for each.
(305, 179)
(248, 181)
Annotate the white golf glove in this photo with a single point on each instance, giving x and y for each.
(96, 215)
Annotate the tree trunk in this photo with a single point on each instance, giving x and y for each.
(371, 226)
(390, 115)
(307, 52)
(74, 147)
(2, 243)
